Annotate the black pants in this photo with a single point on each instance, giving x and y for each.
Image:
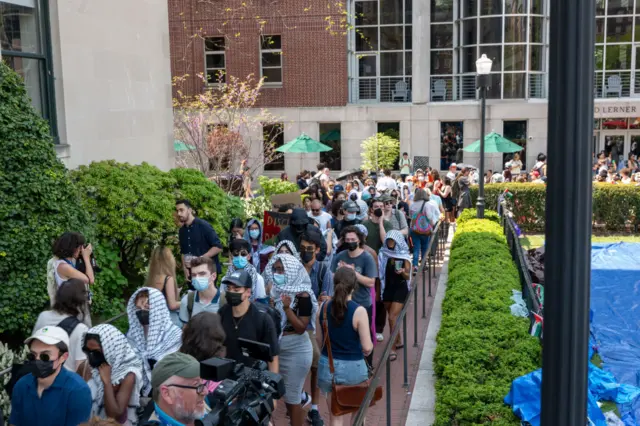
(370, 315)
(381, 317)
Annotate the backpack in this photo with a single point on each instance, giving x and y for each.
(420, 222)
(275, 315)
(191, 298)
(69, 324)
(455, 189)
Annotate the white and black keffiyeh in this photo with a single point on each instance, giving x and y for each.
(123, 360)
(400, 252)
(291, 246)
(163, 337)
(253, 273)
(298, 281)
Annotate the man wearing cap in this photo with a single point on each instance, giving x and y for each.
(241, 319)
(51, 394)
(298, 224)
(453, 171)
(351, 211)
(178, 391)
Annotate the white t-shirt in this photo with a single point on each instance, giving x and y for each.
(323, 219)
(385, 183)
(51, 318)
(430, 209)
(515, 166)
(451, 175)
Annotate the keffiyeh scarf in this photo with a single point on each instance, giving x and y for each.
(298, 281)
(163, 337)
(123, 360)
(399, 252)
(291, 246)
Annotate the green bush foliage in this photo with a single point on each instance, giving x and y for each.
(269, 187)
(38, 203)
(481, 347)
(613, 205)
(468, 214)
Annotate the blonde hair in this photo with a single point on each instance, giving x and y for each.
(516, 156)
(161, 264)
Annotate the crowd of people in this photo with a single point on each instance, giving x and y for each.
(345, 261)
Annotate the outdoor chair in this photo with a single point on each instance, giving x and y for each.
(400, 92)
(614, 85)
(439, 89)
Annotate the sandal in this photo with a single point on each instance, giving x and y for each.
(393, 356)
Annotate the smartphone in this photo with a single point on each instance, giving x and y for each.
(399, 264)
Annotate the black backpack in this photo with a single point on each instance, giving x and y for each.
(275, 315)
(69, 324)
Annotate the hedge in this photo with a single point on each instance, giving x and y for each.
(613, 205)
(481, 348)
(468, 214)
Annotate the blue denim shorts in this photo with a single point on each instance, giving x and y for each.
(347, 373)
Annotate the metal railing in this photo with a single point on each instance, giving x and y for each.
(435, 253)
(616, 84)
(529, 295)
(463, 87)
(380, 89)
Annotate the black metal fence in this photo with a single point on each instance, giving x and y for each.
(427, 269)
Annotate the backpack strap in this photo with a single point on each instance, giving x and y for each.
(191, 298)
(69, 324)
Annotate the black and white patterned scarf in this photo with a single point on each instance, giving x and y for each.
(163, 337)
(399, 252)
(291, 246)
(123, 360)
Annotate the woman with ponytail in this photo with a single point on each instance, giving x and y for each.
(350, 337)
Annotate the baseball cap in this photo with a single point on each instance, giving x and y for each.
(350, 206)
(49, 335)
(338, 187)
(175, 364)
(240, 278)
(453, 165)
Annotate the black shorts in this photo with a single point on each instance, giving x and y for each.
(395, 293)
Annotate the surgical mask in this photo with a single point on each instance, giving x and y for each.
(143, 316)
(254, 233)
(350, 217)
(279, 279)
(306, 257)
(200, 283)
(421, 178)
(239, 262)
(96, 358)
(351, 246)
(234, 299)
(41, 369)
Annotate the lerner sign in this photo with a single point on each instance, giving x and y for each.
(619, 109)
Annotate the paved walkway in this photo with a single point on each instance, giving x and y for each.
(401, 397)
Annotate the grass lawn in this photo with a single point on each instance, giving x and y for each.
(537, 240)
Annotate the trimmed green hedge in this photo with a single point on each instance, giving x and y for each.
(613, 205)
(468, 214)
(481, 347)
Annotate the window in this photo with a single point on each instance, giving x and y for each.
(442, 66)
(393, 130)
(451, 138)
(214, 60)
(330, 135)
(26, 47)
(271, 59)
(273, 137)
(516, 132)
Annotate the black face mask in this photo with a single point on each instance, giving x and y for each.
(41, 369)
(234, 299)
(351, 246)
(377, 212)
(306, 256)
(299, 229)
(96, 358)
(143, 316)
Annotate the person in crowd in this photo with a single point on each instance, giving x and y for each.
(437, 200)
(434, 177)
(377, 225)
(294, 297)
(522, 178)
(515, 165)
(447, 201)
(151, 332)
(405, 166)
(393, 215)
(535, 177)
(284, 177)
(497, 177)
(320, 193)
(347, 330)
(116, 374)
(240, 318)
(287, 247)
(394, 264)
(236, 229)
(364, 209)
(541, 165)
(421, 242)
(351, 211)
(240, 261)
(259, 253)
(487, 176)
(68, 251)
(301, 180)
(507, 175)
(632, 163)
(337, 213)
(400, 204)
(338, 194)
(355, 257)
(298, 224)
(306, 204)
(464, 197)
(162, 277)
(323, 218)
(420, 181)
(286, 208)
(453, 172)
(386, 182)
(205, 297)
(67, 313)
(51, 394)
(197, 238)
(625, 176)
(178, 391)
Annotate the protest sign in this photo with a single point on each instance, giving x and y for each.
(274, 223)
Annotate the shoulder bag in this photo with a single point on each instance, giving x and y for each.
(421, 224)
(346, 399)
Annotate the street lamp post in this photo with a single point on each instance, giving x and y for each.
(483, 68)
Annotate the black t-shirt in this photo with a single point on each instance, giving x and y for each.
(254, 325)
(304, 308)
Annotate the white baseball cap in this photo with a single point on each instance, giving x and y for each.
(50, 335)
(453, 165)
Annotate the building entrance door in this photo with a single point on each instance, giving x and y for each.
(620, 143)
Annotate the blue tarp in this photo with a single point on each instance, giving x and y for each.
(615, 328)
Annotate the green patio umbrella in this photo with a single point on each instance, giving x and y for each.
(304, 144)
(493, 142)
(180, 146)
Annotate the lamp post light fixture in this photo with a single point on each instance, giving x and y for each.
(483, 68)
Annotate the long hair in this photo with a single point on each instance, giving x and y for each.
(203, 337)
(161, 263)
(67, 244)
(345, 283)
(70, 297)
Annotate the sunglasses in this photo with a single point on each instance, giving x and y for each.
(200, 388)
(388, 203)
(43, 357)
(240, 253)
(315, 210)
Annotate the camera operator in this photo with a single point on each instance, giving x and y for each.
(178, 391)
(241, 319)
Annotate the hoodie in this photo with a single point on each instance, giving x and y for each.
(259, 253)
(299, 217)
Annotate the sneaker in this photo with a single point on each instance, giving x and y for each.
(314, 418)
(415, 270)
(306, 400)
(379, 337)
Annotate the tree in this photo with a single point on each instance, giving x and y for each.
(38, 203)
(380, 152)
(223, 126)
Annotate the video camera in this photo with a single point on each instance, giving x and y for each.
(246, 392)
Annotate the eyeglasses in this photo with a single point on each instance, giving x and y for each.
(315, 210)
(388, 203)
(199, 389)
(43, 357)
(240, 253)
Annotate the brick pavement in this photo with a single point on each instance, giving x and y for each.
(400, 397)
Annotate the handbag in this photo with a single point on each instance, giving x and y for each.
(421, 224)
(346, 399)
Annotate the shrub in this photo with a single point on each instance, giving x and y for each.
(468, 214)
(37, 204)
(271, 187)
(481, 347)
(613, 205)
